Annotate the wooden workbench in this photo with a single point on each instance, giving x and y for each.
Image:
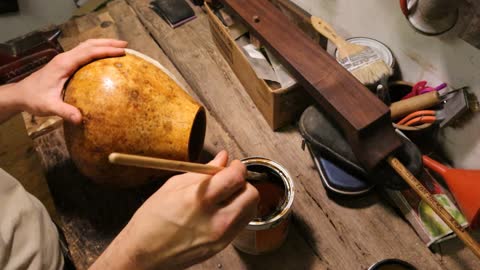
(326, 234)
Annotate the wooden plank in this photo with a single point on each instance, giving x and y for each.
(343, 234)
(364, 119)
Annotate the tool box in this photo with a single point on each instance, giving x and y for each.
(279, 107)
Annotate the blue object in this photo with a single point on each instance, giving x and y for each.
(337, 179)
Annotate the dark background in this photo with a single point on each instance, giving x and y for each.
(8, 6)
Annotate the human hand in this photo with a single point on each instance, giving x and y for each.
(189, 219)
(41, 93)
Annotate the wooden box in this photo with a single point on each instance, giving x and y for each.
(280, 107)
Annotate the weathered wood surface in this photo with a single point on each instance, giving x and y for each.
(347, 234)
(91, 216)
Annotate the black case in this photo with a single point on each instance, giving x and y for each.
(175, 12)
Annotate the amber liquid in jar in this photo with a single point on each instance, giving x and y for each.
(272, 193)
(269, 229)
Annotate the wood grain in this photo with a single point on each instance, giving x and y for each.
(326, 234)
(363, 117)
(342, 234)
(91, 216)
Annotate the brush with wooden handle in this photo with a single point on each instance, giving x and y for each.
(175, 165)
(362, 61)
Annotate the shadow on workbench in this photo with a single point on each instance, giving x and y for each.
(299, 239)
(106, 210)
(354, 202)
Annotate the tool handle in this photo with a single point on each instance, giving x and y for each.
(327, 31)
(434, 204)
(420, 102)
(434, 165)
(162, 164)
(173, 165)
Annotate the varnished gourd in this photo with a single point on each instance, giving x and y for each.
(130, 104)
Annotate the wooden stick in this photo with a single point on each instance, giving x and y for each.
(175, 165)
(435, 205)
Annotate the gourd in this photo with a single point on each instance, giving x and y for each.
(130, 104)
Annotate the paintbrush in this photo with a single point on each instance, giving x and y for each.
(175, 165)
(362, 61)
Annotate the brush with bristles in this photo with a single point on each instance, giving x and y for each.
(362, 61)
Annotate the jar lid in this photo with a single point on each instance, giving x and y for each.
(392, 264)
(380, 48)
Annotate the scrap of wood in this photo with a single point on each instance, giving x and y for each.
(39, 125)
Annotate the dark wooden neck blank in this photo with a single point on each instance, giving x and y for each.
(363, 118)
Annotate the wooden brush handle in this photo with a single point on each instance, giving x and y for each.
(435, 205)
(327, 31)
(420, 102)
(172, 165)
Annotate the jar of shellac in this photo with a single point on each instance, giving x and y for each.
(269, 229)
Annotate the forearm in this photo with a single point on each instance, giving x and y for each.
(10, 103)
(125, 252)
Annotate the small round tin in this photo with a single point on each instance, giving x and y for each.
(380, 48)
(265, 235)
(392, 264)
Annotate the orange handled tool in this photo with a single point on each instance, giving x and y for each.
(421, 102)
(419, 118)
(464, 185)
